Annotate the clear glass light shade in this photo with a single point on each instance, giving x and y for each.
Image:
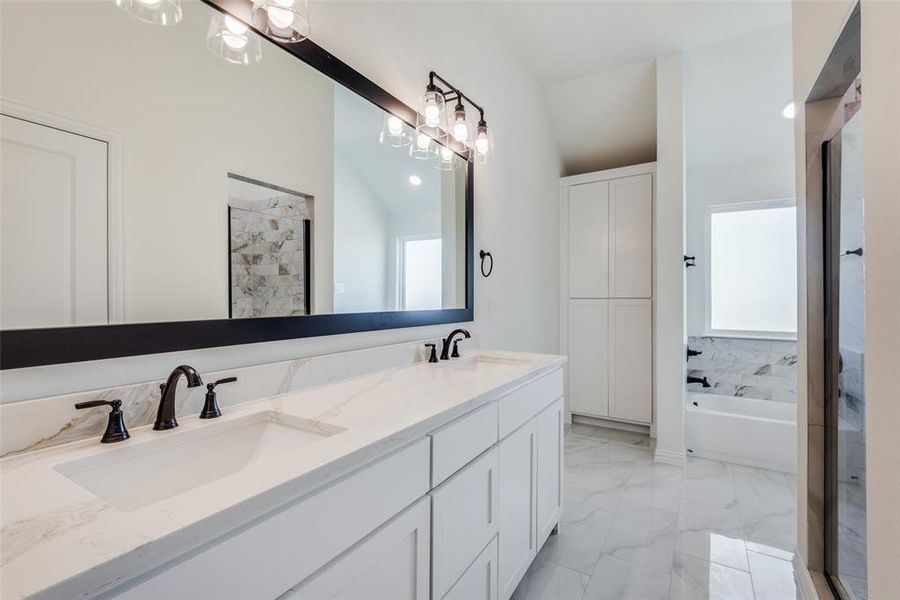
(283, 20)
(157, 12)
(394, 132)
(482, 146)
(432, 117)
(447, 159)
(459, 128)
(423, 147)
(233, 41)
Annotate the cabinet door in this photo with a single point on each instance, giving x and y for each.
(589, 240)
(390, 564)
(479, 582)
(630, 236)
(630, 360)
(588, 357)
(549, 426)
(517, 506)
(464, 510)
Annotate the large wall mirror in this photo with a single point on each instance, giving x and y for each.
(158, 197)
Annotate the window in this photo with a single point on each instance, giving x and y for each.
(419, 284)
(752, 270)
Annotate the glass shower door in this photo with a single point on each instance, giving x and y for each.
(845, 502)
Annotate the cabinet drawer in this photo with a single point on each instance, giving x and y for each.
(479, 582)
(520, 405)
(269, 557)
(454, 445)
(464, 519)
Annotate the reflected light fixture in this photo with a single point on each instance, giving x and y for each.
(415, 180)
(423, 148)
(232, 40)
(789, 111)
(448, 161)
(157, 12)
(283, 20)
(394, 132)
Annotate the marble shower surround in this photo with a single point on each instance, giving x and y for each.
(268, 257)
(759, 369)
(46, 422)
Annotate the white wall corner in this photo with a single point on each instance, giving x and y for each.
(669, 457)
(669, 325)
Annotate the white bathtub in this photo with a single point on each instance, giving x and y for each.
(759, 433)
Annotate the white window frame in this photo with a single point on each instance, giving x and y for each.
(401, 260)
(707, 268)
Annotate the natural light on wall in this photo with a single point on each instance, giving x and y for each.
(753, 269)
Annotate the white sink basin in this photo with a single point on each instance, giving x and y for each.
(138, 475)
(482, 361)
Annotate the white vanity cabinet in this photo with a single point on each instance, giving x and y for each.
(457, 515)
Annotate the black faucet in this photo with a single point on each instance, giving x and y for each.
(703, 380)
(165, 416)
(445, 347)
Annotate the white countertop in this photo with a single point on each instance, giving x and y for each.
(60, 540)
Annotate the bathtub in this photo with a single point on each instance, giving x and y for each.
(758, 433)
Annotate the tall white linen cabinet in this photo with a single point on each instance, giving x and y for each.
(606, 292)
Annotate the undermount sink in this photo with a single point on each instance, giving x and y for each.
(135, 476)
(481, 361)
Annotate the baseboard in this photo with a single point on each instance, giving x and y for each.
(610, 423)
(670, 458)
(804, 579)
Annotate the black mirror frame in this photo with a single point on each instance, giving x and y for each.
(20, 348)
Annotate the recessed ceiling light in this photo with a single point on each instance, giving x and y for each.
(788, 111)
(415, 180)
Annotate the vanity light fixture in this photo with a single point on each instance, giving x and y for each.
(282, 20)
(789, 111)
(233, 41)
(423, 149)
(157, 12)
(455, 133)
(394, 132)
(415, 180)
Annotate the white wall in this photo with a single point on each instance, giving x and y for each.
(361, 237)
(738, 146)
(516, 214)
(188, 118)
(816, 26)
(668, 313)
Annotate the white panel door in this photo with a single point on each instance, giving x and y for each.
(517, 489)
(549, 426)
(53, 237)
(589, 240)
(391, 564)
(630, 236)
(588, 357)
(630, 360)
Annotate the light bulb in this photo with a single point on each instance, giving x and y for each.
(234, 26)
(789, 111)
(149, 2)
(446, 154)
(423, 141)
(281, 16)
(395, 125)
(415, 180)
(432, 115)
(460, 131)
(482, 144)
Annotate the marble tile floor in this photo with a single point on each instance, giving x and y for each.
(636, 529)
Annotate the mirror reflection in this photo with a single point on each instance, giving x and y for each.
(197, 171)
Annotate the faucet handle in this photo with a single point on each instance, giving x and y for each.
(455, 353)
(115, 427)
(432, 358)
(211, 406)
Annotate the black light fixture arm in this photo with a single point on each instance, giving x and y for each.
(453, 90)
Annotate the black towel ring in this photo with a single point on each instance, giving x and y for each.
(484, 255)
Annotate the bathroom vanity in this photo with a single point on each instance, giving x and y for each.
(424, 481)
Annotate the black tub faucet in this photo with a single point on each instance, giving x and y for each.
(445, 347)
(703, 380)
(165, 416)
